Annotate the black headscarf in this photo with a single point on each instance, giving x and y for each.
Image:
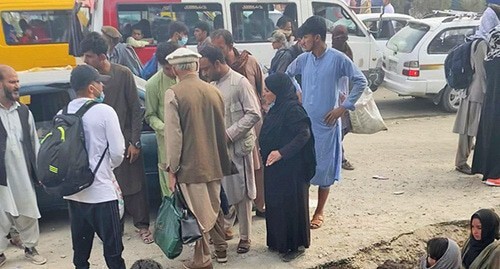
(281, 85)
(489, 232)
(287, 111)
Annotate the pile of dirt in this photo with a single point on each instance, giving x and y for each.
(402, 251)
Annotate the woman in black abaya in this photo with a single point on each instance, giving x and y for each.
(487, 151)
(287, 148)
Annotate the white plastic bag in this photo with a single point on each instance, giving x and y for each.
(366, 118)
(121, 202)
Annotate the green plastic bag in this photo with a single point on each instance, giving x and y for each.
(168, 227)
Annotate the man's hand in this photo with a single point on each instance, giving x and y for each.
(333, 115)
(273, 157)
(132, 153)
(172, 180)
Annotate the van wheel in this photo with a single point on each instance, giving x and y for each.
(450, 99)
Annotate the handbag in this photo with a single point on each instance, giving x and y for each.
(366, 118)
(190, 229)
(168, 227)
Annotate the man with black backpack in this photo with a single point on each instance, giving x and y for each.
(95, 208)
(18, 148)
(469, 111)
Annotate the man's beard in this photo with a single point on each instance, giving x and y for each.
(10, 95)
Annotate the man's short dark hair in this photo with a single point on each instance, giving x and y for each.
(95, 43)
(228, 37)
(163, 50)
(213, 54)
(177, 27)
(282, 21)
(146, 264)
(315, 25)
(204, 26)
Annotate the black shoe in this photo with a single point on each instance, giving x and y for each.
(3, 259)
(261, 214)
(292, 255)
(464, 168)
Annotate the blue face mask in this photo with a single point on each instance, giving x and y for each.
(271, 105)
(183, 41)
(100, 98)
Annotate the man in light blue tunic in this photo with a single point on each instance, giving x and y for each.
(321, 69)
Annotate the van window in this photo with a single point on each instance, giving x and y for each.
(335, 15)
(448, 39)
(154, 19)
(385, 29)
(35, 27)
(255, 22)
(407, 39)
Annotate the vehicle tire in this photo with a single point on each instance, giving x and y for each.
(450, 99)
(374, 77)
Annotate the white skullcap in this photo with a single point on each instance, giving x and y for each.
(182, 56)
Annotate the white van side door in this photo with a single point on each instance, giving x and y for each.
(362, 43)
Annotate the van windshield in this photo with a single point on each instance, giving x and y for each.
(405, 40)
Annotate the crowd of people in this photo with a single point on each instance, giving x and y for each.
(229, 138)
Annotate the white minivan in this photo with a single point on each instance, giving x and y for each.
(250, 21)
(413, 60)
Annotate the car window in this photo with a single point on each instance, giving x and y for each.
(44, 103)
(335, 15)
(255, 22)
(35, 27)
(448, 39)
(154, 19)
(407, 39)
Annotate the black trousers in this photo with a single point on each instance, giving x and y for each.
(102, 219)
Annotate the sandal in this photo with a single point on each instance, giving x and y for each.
(243, 246)
(317, 221)
(146, 236)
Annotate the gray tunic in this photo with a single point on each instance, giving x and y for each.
(469, 111)
(242, 112)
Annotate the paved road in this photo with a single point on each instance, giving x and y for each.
(392, 106)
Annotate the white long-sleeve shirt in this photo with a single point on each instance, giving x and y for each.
(101, 127)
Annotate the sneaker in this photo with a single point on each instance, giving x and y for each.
(495, 182)
(346, 165)
(464, 168)
(32, 255)
(221, 256)
(3, 260)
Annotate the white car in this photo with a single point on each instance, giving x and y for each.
(384, 26)
(413, 60)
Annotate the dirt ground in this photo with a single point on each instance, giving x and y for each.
(368, 222)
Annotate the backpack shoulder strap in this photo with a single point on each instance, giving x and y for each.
(84, 108)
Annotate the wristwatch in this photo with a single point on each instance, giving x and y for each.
(137, 144)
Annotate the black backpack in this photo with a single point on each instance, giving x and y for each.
(457, 67)
(63, 161)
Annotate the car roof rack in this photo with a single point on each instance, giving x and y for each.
(452, 14)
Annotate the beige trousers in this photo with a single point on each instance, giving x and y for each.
(242, 211)
(464, 149)
(204, 201)
(26, 226)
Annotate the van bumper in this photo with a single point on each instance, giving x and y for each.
(403, 85)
